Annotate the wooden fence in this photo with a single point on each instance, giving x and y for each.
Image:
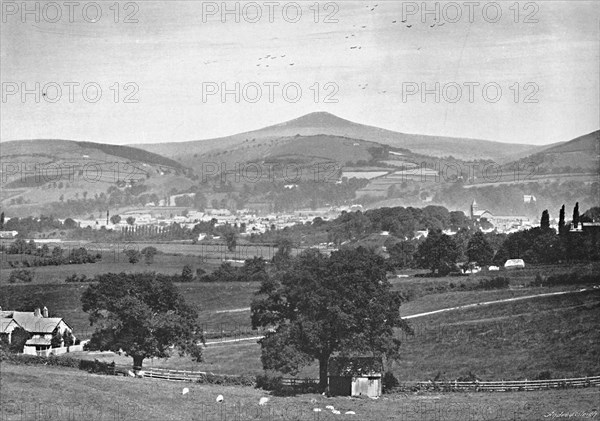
(445, 386)
(194, 376)
(179, 375)
(501, 386)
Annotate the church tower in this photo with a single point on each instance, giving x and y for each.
(474, 209)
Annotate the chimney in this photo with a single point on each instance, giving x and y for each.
(37, 313)
(45, 311)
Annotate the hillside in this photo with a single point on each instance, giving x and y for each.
(38, 172)
(577, 155)
(322, 123)
(68, 149)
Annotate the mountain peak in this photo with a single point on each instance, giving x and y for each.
(317, 119)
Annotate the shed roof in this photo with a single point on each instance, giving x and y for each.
(355, 366)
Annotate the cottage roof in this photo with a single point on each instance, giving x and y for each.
(355, 366)
(5, 323)
(31, 323)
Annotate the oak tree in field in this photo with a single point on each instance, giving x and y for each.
(142, 314)
(438, 252)
(319, 306)
(479, 249)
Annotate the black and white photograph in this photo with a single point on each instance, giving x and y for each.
(375, 210)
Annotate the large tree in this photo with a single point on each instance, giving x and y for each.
(319, 306)
(231, 239)
(479, 249)
(576, 215)
(143, 315)
(438, 252)
(561, 220)
(545, 221)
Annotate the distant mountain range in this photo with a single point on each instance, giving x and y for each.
(38, 173)
(323, 123)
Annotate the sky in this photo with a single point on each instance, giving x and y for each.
(160, 76)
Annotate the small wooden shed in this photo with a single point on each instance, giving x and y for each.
(355, 376)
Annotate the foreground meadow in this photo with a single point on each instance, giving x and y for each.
(58, 394)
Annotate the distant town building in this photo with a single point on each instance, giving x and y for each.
(476, 214)
(8, 234)
(514, 264)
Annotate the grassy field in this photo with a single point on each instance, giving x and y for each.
(511, 340)
(58, 394)
(65, 300)
(515, 340)
(170, 260)
(163, 263)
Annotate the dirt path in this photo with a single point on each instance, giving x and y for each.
(414, 316)
(505, 300)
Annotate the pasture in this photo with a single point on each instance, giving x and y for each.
(513, 341)
(171, 258)
(58, 394)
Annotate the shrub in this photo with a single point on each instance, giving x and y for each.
(572, 278)
(133, 256)
(544, 375)
(269, 382)
(389, 381)
(498, 282)
(227, 380)
(99, 367)
(23, 359)
(20, 275)
(78, 278)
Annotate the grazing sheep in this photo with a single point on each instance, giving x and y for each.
(263, 401)
(185, 391)
(220, 398)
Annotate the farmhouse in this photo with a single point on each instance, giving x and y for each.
(37, 323)
(357, 376)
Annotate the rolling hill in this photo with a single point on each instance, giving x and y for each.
(581, 154)
(42, 171)
(323, 123)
